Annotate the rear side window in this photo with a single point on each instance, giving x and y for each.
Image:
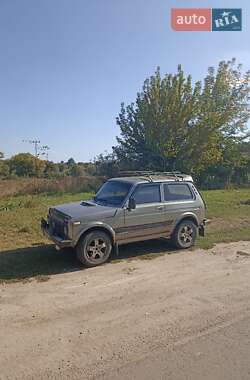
(177, 192)
(147, 194)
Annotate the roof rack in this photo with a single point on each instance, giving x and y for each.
(178, 176)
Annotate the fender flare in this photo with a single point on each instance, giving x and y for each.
(96, 226)
(186, 215)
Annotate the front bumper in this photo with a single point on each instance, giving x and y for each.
(61, 243)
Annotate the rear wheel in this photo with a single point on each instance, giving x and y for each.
(94, 248)
(185, 234)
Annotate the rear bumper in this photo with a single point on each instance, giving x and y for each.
(202, 227)
(61, 243)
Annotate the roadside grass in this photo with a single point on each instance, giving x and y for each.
(20, 218)
(25, 253)
(229, 212)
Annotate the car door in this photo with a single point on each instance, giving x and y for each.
(147, 218)
(177, 199)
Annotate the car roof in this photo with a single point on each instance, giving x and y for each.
(153, 179)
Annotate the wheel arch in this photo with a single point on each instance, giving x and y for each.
(193, 218)
(97, 227)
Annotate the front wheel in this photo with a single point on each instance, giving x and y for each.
(94, 248)
(185, 234)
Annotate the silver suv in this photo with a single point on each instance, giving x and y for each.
(135, 207)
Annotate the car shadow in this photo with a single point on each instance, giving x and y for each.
(44, 260)
(147, 249)
(39, 260)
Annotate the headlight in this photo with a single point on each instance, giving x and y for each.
(76, 223)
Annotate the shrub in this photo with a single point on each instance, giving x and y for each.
(31, 186)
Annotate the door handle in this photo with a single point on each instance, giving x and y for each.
(159, 208)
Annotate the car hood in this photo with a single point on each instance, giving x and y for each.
(85, 210)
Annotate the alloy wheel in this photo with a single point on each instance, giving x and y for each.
(96, 249)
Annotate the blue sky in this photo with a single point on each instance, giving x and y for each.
(67, 65)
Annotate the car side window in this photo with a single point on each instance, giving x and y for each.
(147, 193)
(177, 192)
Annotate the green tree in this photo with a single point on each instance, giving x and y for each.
(62, 166)
(220, 124)
(154, 128)
(4, 168)
(51, 169)
(106, 165)
(175, 124)
(71, 162)
(26, 165)
(76, 170)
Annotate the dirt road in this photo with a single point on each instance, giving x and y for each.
(185, 315)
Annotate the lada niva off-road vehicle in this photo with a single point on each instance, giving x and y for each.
(135, 207)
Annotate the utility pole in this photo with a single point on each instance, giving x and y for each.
(40, 150)
(36, 146)
(44, 151)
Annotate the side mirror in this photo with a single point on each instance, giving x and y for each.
(131, 203)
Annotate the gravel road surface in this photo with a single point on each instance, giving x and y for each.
(184, 315)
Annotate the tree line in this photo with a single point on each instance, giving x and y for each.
(174, 124)
(194, 127)
(27, 165)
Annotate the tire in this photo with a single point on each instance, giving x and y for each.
(184, 235)
(94, 249)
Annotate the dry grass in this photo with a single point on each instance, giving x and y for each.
(24, 186)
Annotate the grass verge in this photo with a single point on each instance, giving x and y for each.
(25, 253)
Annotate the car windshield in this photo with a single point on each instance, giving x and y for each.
(113, 193)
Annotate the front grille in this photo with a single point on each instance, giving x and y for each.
(58, 228)
(57, 222)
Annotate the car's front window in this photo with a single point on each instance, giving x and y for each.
(113, 193)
